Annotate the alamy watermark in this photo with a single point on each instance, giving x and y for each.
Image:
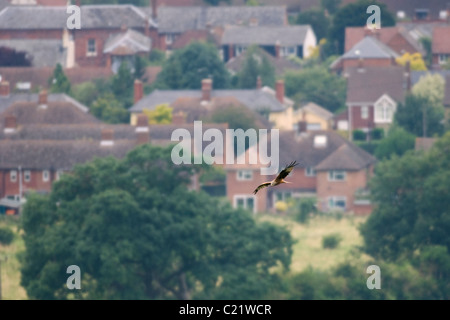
(74, 20)
(374, 281)
(74, 281)
(374, 21)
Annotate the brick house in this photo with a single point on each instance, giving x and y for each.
(440, 46)
(370, 51)
(279, 41)
(373, 94)
(332, 169)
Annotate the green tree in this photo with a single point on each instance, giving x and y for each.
(419, 116)
(216, 2)
(162, 114)
(318, 21)
(355, 15)
(431, 86)
(186, 68)
(397, 142)
(122, 85)
(330, 5)
(318, 85)
(237, 117)
(110, 110)
(137, 232)
(255, 64)
(426, 43)
(58, 82)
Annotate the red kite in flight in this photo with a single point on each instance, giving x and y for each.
(279, 179)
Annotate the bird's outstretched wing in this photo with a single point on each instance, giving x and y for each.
(285, 172)
(262, 186)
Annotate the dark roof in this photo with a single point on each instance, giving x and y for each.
(410, 7)
(369, 48)
(368, 84)
(346, 157)
(281, 64)
(256, 99)
(416, 75)
(440, 42)
(58, 155)
(40, 52)
(266, 35)
(54, 112)
(129, 42)
(93, 17)
(181, 19)
(4, 4)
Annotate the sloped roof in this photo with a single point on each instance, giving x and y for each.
(40, 52)
(317, 110)
(93, 17)
(129, 42)
(292, 35)
(441, 43)
(368, 84)
(346, 157)
(369, 48)
(181, 19)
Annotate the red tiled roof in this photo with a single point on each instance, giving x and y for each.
(441, 43)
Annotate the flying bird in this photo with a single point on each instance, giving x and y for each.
(279, 179)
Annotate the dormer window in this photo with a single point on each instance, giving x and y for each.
(320, 141)
(384, 110)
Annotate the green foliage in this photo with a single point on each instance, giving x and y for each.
(368, 146)
(86, 92)
(58, 82)
(108, 109)
(318, 85)
(359, 135)
(213, 174)
(318, 21)
(411, 200)
(397, 142)
(418, 115)
(305, 208)
(6, 236)
(162, 114)
(216, 2)
(139, 67)
(431, 87)
(187, 67)
(237, 117)
(137, 232)
(255, 64)
(330, 5)
(377, 134)
(355, 15)
(157, 57)
(331, 241)
(122, 85)
(426, 43)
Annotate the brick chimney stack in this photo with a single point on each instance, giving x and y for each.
(277, 49)
(43, 97)
(142, 129)
(10, 124)
(4, 89)
(138, 90)
(206, 89)
(107, 137)
(279, 90)
(258, 82)
(179, 118)
(154, 5)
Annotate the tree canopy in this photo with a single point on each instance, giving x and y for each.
(136, 231)
(58, 82)
(255, 65)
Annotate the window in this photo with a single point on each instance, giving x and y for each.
(239, 49)
(27, 175)
(13, 175)
(364, 112)
(245, 202)
(91, 47)
(169, 38)
(313, 126)
(283, 196)
(384, 111)
(45, 176)
(310, 172)
(288, 51)
(244, 175)
(337, 175)
(337, 203)
(443, 58)
(59, 174)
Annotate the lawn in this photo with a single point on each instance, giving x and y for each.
(308, 250)
(10, 269)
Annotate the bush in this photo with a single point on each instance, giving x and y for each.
(368, 146)
(305, 207)
(331, 241)
(281, 206)
(359, 135)
(6, 236)
(377, 134)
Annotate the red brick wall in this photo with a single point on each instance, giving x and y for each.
(31, 34)
(36, 183)
(357, 122)
(347, 188)
(237, 187)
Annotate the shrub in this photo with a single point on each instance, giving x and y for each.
(377, 134)
(6, 236)
(305, 207)
(331, 241)
(359, 135)
(281, 206)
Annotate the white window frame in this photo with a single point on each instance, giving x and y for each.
(285, 195)
(310, 172)
(13, 176)
(239, 49)
(244, 175)
(46, 176)
(27, 176)
(333, 200)
(384, 110)
(89, 52)
(288, 51)
(332, 175)
(170, 37)
(245, 198)
(443, 58)
(364, 112)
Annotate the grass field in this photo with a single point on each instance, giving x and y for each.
(307, 251)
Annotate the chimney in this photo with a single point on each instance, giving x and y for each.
(253, 22)
(4, 89)
(10, 124)
(302, 127)
(258, 82)
(138, 90)
(43, 97)
(154, 5)
(277, 49)
(206, 89)
(279, 90)
(107, 137)
(142, 129)
(179, 118)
